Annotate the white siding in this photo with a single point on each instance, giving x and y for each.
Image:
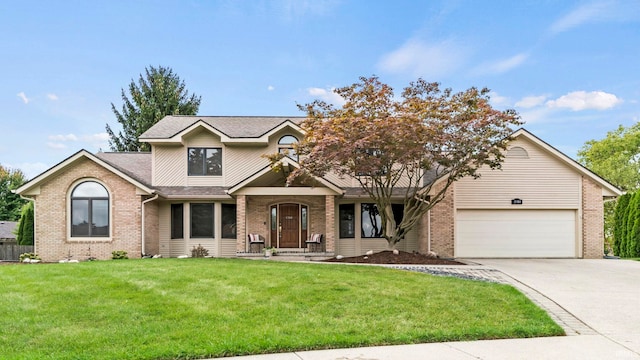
(170, 165)
(540, 180)
(227, 248)
(243, 162)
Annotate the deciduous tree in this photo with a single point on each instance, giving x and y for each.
(10, 203)
(401, 147)
(617, 159)
(157, 94)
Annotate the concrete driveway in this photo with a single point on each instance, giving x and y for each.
(604, 294)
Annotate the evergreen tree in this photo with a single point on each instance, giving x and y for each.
(619, 230)
(157, 94)
(633, 226)
(10, 203)
(24, 235)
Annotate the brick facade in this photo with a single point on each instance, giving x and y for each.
(592, 220)
(442, 220)
(257, 217)
(52, 218)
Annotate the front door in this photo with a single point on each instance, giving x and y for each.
(289, 226)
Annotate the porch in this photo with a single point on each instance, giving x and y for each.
(286, 223)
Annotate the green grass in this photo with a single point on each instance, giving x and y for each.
(195, 308)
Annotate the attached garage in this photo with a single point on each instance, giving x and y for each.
(516, 233)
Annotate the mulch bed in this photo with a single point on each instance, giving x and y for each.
(388, 257)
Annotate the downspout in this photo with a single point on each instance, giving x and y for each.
(35, 251)
(155, 197)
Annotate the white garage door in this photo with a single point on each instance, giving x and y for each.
(515, 233)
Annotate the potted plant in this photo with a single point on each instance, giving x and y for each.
(269, 251)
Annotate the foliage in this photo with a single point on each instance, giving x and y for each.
(157, 94)
(616, 157)
(620, 219)
(627, 226)
(24, 233)
(199, 252)
(402, 147)
(206, 308)
(119, 254)
(30, 255)
(10, 203)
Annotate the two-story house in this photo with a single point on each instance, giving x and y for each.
(206, 182)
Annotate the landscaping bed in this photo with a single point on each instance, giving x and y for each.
(402, 257)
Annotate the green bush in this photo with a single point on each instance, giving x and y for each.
(32, 256)
(119, 254)
(199, 252)
(619, 222)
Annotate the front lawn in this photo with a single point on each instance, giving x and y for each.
(195, 308)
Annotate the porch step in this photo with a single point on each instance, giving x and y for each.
(286, 255)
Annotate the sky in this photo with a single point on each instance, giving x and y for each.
(571, 69)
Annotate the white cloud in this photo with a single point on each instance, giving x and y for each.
(270, 88)
(53, 97)
(99, 137)
(56, 146)
(420, 59)
(23, 97)
(327, 95)
(597, 11)
(502, 66)
(531, 101)
(30, 170)
(68, 137)
(582, 100)
(498, 100)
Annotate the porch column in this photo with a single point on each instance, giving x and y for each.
(330, 223)
(241, 223)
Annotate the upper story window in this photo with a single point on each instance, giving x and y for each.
(205, 161)
(285, 146)
(89, 210)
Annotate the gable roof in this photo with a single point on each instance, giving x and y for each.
(608, 189)
(285, 162)
(120, 167)
(231, 129)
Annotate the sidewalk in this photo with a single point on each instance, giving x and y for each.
(585, 347)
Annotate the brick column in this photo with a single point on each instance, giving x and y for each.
(442, 225)
(241, 221)
(330, 223)
(423, 234)
(592, 220)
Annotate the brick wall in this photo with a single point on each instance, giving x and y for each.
(258, 216)
(592, 220)
(53, 220)
(442, 224)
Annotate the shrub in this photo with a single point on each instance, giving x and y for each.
(30, 255)
(199, 252)
(119, 254)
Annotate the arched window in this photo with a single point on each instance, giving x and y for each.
(285, 146)
(518, 152)
(89, 210)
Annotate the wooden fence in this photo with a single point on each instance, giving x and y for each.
(12, 251)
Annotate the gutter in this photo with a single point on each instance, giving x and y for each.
(142, 232)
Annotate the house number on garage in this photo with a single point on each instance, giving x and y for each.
(516, 201)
